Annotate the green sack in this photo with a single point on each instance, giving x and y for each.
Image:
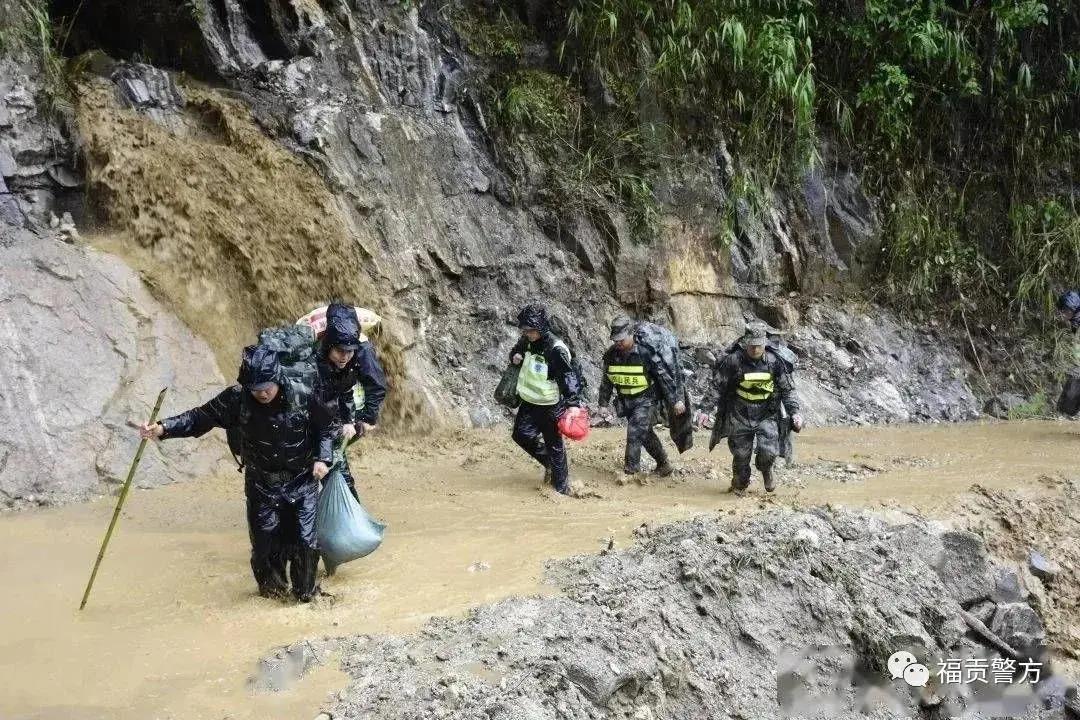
(506, 390)
(344, 528)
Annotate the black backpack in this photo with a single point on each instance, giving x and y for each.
(295, 348)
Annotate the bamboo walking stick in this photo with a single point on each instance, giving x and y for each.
(120, 501)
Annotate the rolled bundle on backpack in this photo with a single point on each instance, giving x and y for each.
(316, 319)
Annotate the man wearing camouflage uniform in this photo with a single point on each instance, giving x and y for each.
(638, 383)
(752, 383)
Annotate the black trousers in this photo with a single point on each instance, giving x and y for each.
(281, 509)
(536, 432)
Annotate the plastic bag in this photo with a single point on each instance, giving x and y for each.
(344, 529)
(506, 390)
(574, 423)
(682, 426)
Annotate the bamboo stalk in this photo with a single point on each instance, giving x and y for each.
(120, 501)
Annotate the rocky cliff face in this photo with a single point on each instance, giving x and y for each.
(344, 152)
(85, 350)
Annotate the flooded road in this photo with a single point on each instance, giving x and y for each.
(173, 628)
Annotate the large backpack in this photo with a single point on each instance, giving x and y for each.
(786, 354)
(295, 348)
(663, 346)
(663, 349)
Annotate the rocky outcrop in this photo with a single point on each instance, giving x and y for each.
(37, 174)
(349, 155)
(84, 349)
(785, 614)
(454, 236)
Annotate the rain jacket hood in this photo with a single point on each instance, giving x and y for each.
(259, 365)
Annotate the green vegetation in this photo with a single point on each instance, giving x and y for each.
(1037, 406)
(27, 28)
(963, 116)
(591, 157)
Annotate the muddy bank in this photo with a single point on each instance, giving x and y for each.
(788, 613)
(174, 613)
(233, 231)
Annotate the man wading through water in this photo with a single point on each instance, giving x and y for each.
(751, 384)
(287, 448)
(547, 385)
(638, 383)
(345, 360)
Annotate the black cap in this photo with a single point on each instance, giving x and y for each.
(533, 317)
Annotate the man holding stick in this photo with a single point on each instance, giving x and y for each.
(287, 447)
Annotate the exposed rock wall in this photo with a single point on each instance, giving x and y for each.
(84, 349)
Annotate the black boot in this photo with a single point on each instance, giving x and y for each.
(664, 470)
(770, 479)
(302, 567)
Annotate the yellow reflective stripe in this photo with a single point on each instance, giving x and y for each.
(756, 386)
(626, 369)
(628, 379)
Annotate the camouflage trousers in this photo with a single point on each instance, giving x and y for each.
(745, 434)
(640, 433)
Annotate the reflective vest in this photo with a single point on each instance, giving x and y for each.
(533, 385)
(628, 379)
(755, 387)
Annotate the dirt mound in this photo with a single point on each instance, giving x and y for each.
(229, 228)
(1017, 523)
(788, 613)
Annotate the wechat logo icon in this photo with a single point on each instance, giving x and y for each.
(903, 664)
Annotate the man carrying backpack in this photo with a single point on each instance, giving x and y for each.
(752, 383)
(343, 361)
(287, 446)
(547, 384)
(638, 382)
(1068, 306)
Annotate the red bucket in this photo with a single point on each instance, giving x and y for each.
(574, 423)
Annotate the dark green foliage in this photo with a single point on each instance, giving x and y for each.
(963, 114)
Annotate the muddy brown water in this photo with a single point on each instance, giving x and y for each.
(173, 628)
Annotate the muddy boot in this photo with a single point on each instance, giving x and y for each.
(770, 479)
(563, 489)
(664, 470)
(737, 488)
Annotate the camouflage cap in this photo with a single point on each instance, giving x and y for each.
(622, 328)
(756, 334)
